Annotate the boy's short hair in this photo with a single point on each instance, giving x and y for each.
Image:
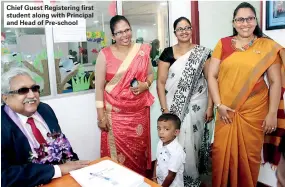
(282, 146)
(171, 117)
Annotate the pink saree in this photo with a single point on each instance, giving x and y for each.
(128, 140)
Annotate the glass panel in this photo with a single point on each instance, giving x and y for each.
(149, 22)
(25, 47)
(75, 61)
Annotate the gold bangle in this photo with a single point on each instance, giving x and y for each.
(147, 85)
(99, 104)
(148, 82)
(218, 105)
(101, 120)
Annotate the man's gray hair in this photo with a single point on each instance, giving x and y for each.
(9, 75)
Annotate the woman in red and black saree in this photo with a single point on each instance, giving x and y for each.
(123, 76)
(247, 108)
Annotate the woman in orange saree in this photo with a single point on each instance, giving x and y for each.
(246, 110)
(271, 153)
(124, 110)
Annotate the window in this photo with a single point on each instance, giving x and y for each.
(15, 51)
(75, 61)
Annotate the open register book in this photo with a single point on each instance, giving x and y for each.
(107, 174)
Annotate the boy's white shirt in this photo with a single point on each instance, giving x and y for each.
(170, 157)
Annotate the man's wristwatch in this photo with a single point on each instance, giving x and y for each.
(163, 109)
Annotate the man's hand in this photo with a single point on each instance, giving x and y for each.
(73, 165)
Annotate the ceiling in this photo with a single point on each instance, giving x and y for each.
(142, 12)
(137, 12)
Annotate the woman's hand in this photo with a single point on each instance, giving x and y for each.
(142, 86)
(270, 123)
(224, 115)
(103, 124)
(165, 111)
(209, 114)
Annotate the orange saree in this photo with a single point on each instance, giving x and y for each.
(237, 147)
(271, 153)
(128, 140)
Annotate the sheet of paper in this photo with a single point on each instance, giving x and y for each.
(70, 33)
(107, 174)
(144, 185)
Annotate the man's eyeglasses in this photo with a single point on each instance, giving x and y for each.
(23, 91)
(180, 29)
(120, 33)
(242, 20)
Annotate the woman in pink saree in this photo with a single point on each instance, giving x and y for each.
(124, 110)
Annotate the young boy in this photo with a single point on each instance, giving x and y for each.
(169, 165)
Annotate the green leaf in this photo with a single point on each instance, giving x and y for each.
(80, 82)
(18, 58)
(60, 54)
(44, 55)
(38, 79)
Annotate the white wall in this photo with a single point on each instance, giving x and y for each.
(177, 9)
(78, 120)
(215, 19)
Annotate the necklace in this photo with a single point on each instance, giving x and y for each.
(243, 48)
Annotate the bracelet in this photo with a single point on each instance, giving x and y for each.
(147, 85)
(218, 105)
(101, 120)
(148, 82)
(99, 104)
(162, 109)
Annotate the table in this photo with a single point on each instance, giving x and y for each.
(67, 180)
